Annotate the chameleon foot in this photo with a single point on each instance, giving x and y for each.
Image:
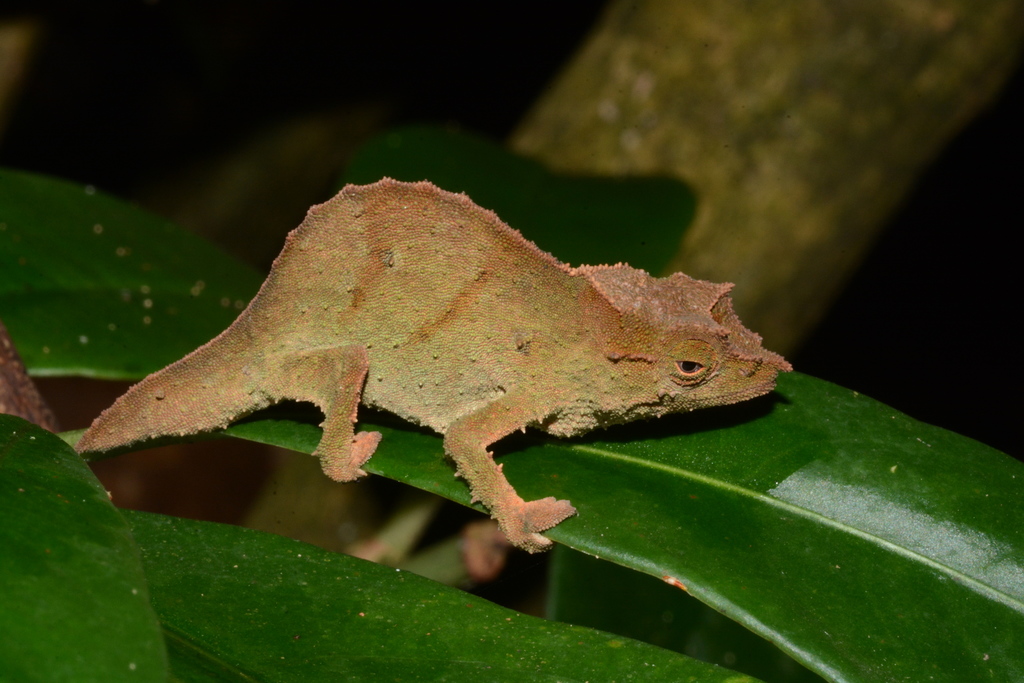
(350, 468)
(533, 517)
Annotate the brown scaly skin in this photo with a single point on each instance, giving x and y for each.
(405, 297)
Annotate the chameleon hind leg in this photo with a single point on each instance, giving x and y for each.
(332, 379)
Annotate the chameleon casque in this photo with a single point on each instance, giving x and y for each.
(408, 298)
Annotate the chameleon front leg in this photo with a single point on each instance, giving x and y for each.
(332, 379)
(466, 442)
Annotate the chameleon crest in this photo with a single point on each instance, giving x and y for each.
(408, 298)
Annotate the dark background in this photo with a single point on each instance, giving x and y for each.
(123, 93)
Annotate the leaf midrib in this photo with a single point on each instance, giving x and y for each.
(957, 575)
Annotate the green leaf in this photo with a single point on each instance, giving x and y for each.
(74, 599)
(646, 608)
(836, 527)
(579, 219)
(241, 605)
(91, 285)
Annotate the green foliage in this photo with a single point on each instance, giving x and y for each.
(830, 524)
(250, 605)
(864, 544)
(642, 606)
(90, 285)
(89, 597)
(75, 601)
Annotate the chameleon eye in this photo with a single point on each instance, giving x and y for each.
(689, 368)
(697, 360)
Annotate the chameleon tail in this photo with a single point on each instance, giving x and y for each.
(204, 391)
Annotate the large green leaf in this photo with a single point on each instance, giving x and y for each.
(829, 523)
(91, 285)
(73, 599)
(241, 605)
(646, 608)
(578, 219)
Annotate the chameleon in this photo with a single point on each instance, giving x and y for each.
(405, 297)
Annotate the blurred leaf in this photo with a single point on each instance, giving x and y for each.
(590, 220)
(90, 285)
(836, 527)
(241, 605)
(74, 599)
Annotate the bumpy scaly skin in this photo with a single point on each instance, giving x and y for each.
(405, 297)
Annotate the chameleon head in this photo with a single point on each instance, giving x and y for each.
(688, 335)
(717, 363)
